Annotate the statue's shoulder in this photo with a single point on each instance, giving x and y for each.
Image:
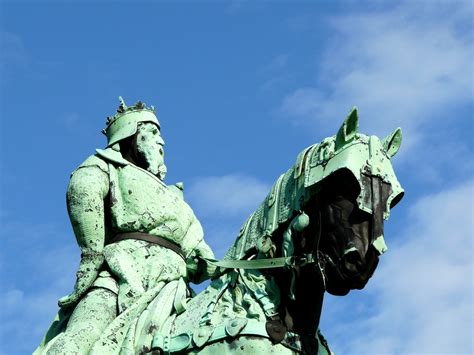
(177, 189)
(111, 156)
(95, 161)
(102, 159)
(92, 172)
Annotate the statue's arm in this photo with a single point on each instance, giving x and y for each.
(197, 268)
(85, 201)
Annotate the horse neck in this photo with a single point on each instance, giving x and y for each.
(303, 314)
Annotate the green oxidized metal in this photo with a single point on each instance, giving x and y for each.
(116, 281)
(364, 156)
(132, 296)
(125, 122)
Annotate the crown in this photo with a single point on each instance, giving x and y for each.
(124, 109)
(126, 120)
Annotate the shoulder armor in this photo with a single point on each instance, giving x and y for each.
(112, 156)
(177, 189)
(94, 160)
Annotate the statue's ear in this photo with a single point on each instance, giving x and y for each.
(348, 130)
(392, 142)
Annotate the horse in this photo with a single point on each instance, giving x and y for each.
(320, 229)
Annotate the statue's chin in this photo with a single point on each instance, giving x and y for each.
(156, 168)
(151, 161)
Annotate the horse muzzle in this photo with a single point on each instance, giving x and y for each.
(356, 270)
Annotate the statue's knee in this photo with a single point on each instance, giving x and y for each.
(89, 319)
(64, 344)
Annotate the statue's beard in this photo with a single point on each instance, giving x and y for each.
(152, 160)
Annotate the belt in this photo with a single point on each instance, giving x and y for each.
(149, 238)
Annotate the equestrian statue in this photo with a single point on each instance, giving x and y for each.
(319, 229)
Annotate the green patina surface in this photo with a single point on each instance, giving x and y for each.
(132, 296)
(118, 283)
(362, 155)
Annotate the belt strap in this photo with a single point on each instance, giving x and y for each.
(151, 239)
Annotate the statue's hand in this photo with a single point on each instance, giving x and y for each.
(86, 274)
(69, 300)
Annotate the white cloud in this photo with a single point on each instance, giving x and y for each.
(226, 196)
(38, 266)
(278, 75)
(420, 300)
(223, 203)
(400, 66)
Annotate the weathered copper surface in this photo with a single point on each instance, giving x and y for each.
(319, 229)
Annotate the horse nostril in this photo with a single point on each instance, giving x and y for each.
(353, 261)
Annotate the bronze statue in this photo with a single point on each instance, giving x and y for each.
(319, 229)
(138, 237)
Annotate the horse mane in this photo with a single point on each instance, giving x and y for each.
(287, 196)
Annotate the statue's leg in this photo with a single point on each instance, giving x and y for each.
(89, 319)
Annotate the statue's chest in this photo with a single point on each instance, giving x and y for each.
(140, 202)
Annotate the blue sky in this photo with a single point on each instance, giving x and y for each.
(240, 88)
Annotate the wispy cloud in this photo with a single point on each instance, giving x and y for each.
(223, 203)
(39, 270)
(227, 196)
(420, 300)
(276, 73)
(401, 66)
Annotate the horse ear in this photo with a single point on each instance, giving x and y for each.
(392, 142)
(348, 130)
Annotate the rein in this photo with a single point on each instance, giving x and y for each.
(290, 261)
(275, 327)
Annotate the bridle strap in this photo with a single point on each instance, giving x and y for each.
(291, 261)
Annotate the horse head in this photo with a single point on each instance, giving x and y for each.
(355, 188)
(332, 202)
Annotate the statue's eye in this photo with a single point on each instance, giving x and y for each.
(143, 138)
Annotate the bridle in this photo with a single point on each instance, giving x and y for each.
(287, 262)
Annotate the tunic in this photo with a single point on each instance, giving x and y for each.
(150, 281)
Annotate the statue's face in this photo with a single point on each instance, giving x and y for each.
(149, 145)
